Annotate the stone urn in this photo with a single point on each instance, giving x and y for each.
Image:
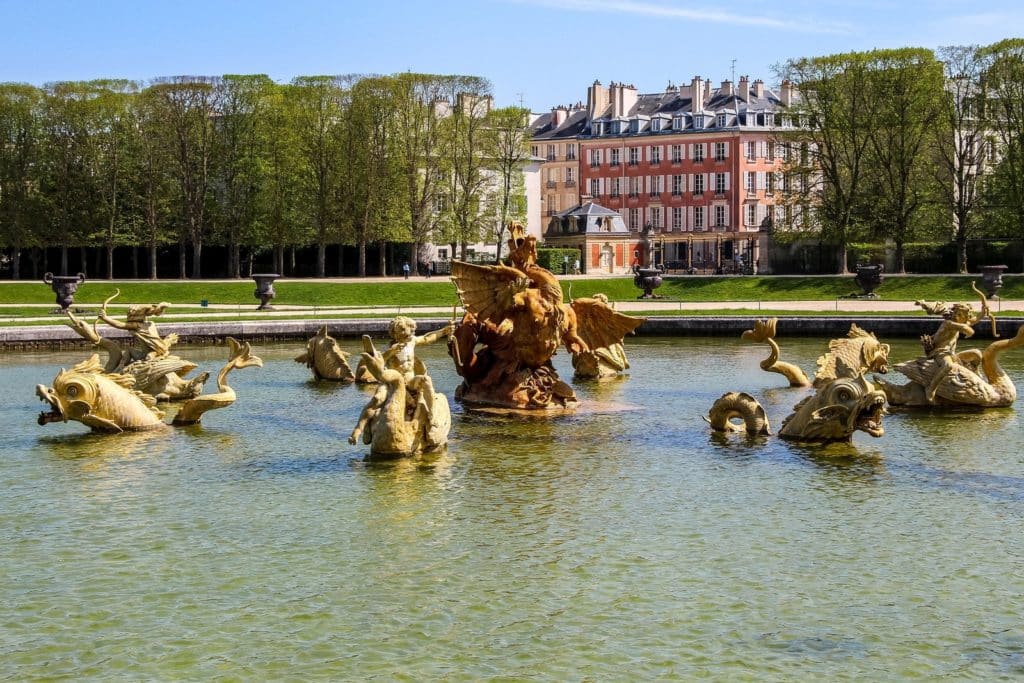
(992, 280)
(64, 286)
(265, 289)
(869, 278)
(647, 279)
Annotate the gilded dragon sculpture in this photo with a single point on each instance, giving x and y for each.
(764, 332)
(515, 321)
(602, 361)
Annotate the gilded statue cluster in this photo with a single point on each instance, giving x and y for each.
(515, 318)
(847, 400)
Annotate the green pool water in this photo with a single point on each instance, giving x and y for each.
(623, 543)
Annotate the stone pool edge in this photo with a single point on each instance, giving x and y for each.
(62, 336)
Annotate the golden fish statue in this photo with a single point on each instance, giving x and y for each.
(325, 358)
(109, 402)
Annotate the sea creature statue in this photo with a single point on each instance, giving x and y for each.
(514, 322)
(736, 405)
(845, 400)
(109, 402)
(325, 358)
(156, 371)
(602, 361)
(764, 332)
(946, 377)
(405, 416)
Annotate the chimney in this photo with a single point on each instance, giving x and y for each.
(758, 89)
(743, 89)
(726, 88)
(707, 90)
(786, 93)
(696, 94)
(597, 100)
(558, 116)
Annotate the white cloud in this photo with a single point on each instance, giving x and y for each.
(671, 11)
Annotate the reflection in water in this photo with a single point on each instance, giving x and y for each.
(607, 544)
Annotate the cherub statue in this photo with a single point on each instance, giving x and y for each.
(400, 357)
(945, 376)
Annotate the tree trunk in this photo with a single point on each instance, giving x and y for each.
(321, 259)
(135, 263)
(197, 259)
(292, 260)
(110, 261)
(900, 258)
(961, 254)
(152, 261)
(362, 257)
(16, 262)
(382, 258)
(843, 270)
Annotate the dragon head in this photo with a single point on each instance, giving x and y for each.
(838, 409)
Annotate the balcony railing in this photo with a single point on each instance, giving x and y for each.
(552, 184)
(551, 157)
(570, 183)
(595, 164)
(613, 162)
(634, 162)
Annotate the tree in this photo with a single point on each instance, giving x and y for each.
(508, 150)
(833, 113)
(20, 131)
(465, 145)
(186, 106)
(153, 189)
(318, 103)
(112, 128)
(1004, 87)
(240, 125)
(280, 226)
(961, 129)
(419, 112)
(904, 107)
(375, 180)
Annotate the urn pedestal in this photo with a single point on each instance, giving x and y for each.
(992, 280)
(869, 278)
(265, 289)
(64, 286)
(647, 279)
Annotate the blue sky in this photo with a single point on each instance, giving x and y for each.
(540, 52)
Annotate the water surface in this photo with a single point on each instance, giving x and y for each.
(622, 543)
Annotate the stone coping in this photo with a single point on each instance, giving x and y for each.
(62, 336)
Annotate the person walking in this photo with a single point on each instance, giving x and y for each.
(576, 267)
(405, 269)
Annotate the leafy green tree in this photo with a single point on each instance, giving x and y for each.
(280, 222)
(20, 141)
(317, 105)
(153, 186)
(508, 149)
(112, 129)
(833, 114)
(904, 106)
(1004, 86)
(239, 137)
(375, 179)
(186, 106)
(961, 127)
(465, 149)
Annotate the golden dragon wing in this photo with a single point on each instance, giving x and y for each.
(487, 291)
(598, 324)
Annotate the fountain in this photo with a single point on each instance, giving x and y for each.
(265, 289)
(64, 286)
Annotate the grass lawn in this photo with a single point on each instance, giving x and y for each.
(440, 291)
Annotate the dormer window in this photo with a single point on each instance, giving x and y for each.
(698, 121)
(678, 123)
(634, 126)
(720, 122)
(655, 125)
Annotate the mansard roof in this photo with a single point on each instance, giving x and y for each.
(575, 124)
(587, 209)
